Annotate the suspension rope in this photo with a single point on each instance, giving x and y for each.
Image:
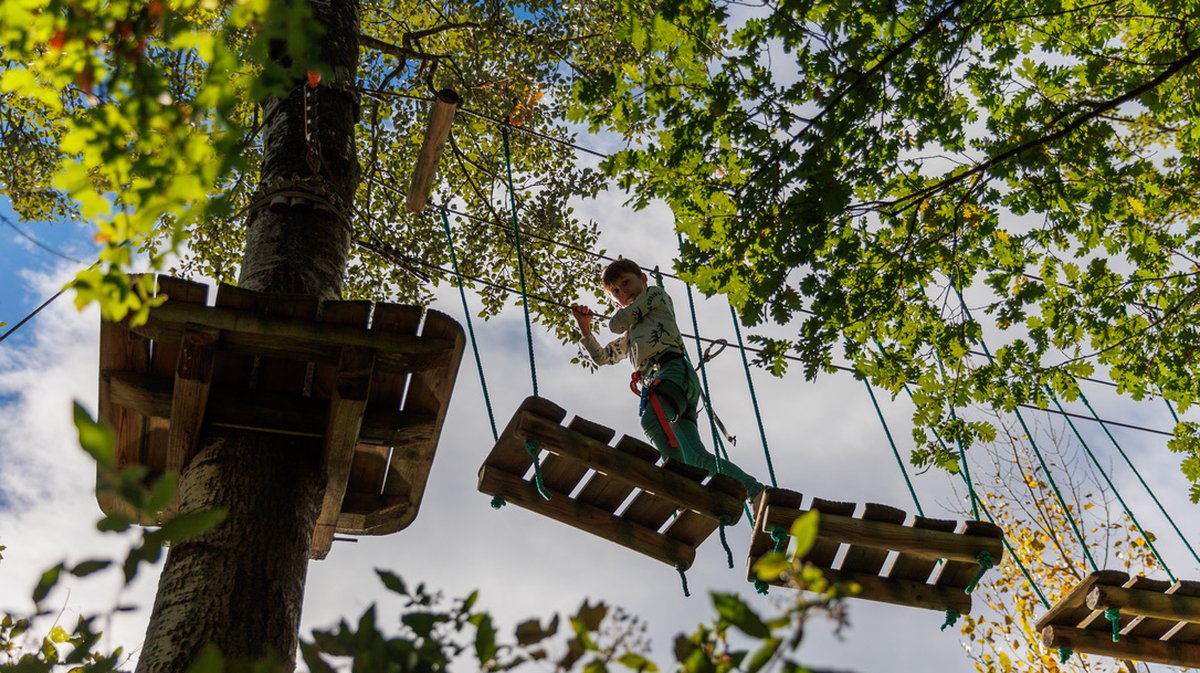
(762, 433)
(895, 451)
(512, 193)
(462, 293)
(1138, 474)
(1112, 487)
(1036, 451)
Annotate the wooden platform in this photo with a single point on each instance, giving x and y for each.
(1159, 621)
(616, 492)
(372, 380)
(894, 558)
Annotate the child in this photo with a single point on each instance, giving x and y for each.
(645, 319)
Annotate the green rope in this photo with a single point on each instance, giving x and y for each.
(951, 617)
(1064, 653)
(1142, 481)
(1012, 554)
(681, 568)
(986, 563)
(498, 502)
(966, 468)
(725, 543)
(895, 451)
(462, 293)
(1112, 487)
(762, 433)
(1036, 451)
(780, 536)
(719, 450)
(520, 259)
(532, 449)
(1113, 615)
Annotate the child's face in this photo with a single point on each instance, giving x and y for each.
(626, 288)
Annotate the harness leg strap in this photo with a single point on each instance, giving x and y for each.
(662, 419)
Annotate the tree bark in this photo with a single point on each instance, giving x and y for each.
(240, 586)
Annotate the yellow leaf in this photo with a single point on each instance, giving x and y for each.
(1136, 206)
(59, 635)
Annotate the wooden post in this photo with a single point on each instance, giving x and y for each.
(193, 378)
(441, 117)
(1100, 642)
(1145, 603)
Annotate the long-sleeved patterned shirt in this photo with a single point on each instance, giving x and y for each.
(647, 328)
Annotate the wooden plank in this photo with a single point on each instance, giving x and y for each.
(663, 483)
(1146, 627)
(120, 351)
(189, 400)
(251, 333)
(825, 549)
(563, 474)
(233, 367)
(292, 372)
(606, 493)
(918, 567)
(437, 130)
(652, 510)
(1145, 603)
(356, 313)
(509, 452)
(346, 408)
(693, 527)
(902, 592)
(428, 394)
(1070, 609)
(1149, 650)
(586, 517)
(958, 572)
(1187, 632)
(265, 411)
(868, 559)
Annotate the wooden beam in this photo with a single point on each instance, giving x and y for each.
(1145, 603)
(295, 338)
(1070, 608)
(1152, 650)
(931, 544)
(266, 412)
(346, 406)
(646, 476)
(441, 117)
(583, 516)
(189, 399)
(903, 592)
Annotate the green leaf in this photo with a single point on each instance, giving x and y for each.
(58, 635)
(485, 641)
(88, 567)
(734, 610)
(590, 616)
(162, 493)
(770, 566)
(637, 662)
(208, 661)
(46, 583)
(762, 656)
(804, 530)
(312, 658)
(392, 582)
(96, 439)
(190, 524)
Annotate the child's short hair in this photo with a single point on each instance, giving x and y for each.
(617, 268)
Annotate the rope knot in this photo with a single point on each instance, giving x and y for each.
(498, 502)
(1113, 615)
(1064, 653)
(986, 563)
(761, 586)
(780, 536)
(681, 568)
(951, 618)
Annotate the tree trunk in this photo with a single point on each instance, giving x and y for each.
(240, 587)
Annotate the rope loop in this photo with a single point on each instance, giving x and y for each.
(951, 618)
(681, 568)
(725, 521)
(498, 502)
(761, 586)
(532, 449)
(1113, 615)
(714, 349)
(1064, 653)
(986, 563)
(780, 536)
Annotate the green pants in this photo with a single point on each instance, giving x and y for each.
(678, 390)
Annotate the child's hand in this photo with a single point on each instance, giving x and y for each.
(583, 316)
